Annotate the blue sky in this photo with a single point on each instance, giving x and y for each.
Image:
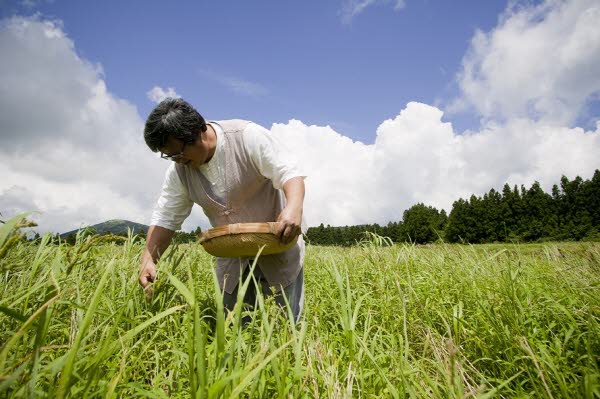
(300, 60)
(361, 90)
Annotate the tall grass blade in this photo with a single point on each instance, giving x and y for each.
(15, 338)
(138, 329)
(66, 377)
(183, 290)
(257, 369)
(9, 226)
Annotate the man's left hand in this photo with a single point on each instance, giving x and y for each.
(291, 220)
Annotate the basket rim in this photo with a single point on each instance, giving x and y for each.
(239, 228)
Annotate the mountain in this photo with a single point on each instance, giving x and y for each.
(115, 226)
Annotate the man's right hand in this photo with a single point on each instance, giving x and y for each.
(147, 276)
(157, 241)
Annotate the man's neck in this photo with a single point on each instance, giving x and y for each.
(211, 137)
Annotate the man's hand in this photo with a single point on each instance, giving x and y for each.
(291, 220)
(291, 216)
(147, 276)
(157, 241)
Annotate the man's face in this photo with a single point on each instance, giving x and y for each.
(191, 154)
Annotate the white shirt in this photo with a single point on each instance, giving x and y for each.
(269, 154)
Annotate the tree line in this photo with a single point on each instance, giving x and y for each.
(570, 212)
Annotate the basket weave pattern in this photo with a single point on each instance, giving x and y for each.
(243, 240)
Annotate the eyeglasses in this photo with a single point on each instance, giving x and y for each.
(174, 157)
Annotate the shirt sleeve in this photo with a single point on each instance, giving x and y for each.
(271, 157)
(174, 204)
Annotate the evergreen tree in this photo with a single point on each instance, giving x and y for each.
(539, 220)
(571, 211)
(423, 224)
(456, 226)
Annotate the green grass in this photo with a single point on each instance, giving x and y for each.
(447, 321)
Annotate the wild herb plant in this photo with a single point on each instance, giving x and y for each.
(447, 321)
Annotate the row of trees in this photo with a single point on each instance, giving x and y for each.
(420, 224)
(181, 237)
(570, 212)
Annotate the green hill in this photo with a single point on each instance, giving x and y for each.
(116, 226)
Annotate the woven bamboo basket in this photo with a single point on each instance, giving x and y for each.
(243, 240)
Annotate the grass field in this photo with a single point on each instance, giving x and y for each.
(447, 321)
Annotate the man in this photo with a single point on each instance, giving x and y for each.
(238, 172)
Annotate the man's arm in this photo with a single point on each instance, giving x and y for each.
(275, 162)
(157, 242)
(291, 216)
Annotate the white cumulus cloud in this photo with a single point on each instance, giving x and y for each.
(68, 147)
(73, 150)
(418, 158)
(157, 94)
(541, 62)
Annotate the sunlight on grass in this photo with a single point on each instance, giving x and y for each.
(380, 320)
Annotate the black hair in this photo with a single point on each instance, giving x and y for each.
(172, 117)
